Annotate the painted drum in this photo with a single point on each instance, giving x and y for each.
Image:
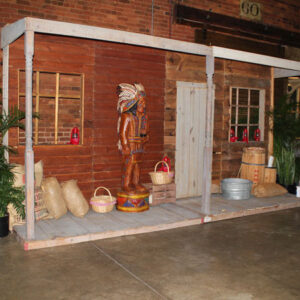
(132, 203)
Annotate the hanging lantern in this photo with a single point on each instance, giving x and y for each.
(74, 136)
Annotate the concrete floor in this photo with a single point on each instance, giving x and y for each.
(255, 257)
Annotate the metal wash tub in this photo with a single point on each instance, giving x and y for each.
(236, 188)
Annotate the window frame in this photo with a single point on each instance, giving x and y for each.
(36, 94)
(261, 111)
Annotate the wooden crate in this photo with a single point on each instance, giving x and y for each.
(164, 193)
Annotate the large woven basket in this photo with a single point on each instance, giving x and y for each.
(161, 177)
(102, 203)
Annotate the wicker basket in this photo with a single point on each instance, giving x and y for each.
(103, 203)
(160, 177)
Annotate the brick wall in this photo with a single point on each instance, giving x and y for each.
(137, 16)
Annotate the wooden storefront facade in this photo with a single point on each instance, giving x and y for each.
(158, 64)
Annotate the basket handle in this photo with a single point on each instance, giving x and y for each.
(102, 187)
(162, 162)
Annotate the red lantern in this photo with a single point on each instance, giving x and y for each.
(257, 135)
(245, 135)
(74, 136)
(233, 138)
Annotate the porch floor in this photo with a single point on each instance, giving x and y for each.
(95, 226)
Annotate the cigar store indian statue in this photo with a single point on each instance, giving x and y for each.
(133, 133)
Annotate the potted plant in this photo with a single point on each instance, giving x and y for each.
(9, 193)
(286, 128)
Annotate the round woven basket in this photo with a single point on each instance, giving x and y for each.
(160, 177)
(102, 203)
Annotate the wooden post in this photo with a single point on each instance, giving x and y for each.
(208, 148)
(5, 91)
(270, 132)
(29, 156)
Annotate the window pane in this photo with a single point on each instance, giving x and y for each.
(240, 132)
(233, 110)
(254, 97)
(47, 84)
(242, 115)
(69, 85)
(251, 132)
(46, 121)
(243, 97)
(68, 118)
(233, 96)
(254, 115)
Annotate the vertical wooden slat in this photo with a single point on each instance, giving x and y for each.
(270, 132)
(208, 149)
(5, 77)
(56, 109)
(37, 107)
(29, 156)
(190, 131)
(82, 109)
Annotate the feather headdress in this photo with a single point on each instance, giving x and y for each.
(128, 97)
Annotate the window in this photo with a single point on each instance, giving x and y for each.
(58, 98)
(247, 111)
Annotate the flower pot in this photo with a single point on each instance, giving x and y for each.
(4, 226)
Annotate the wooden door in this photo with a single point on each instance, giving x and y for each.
(190, 138)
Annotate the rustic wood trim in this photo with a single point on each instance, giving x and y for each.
(69, 240)
(5, 91)
(282, 73)
(29, 156)
(56, 109)
(255, 58)
(11, 32)
(112, 35)
(208, 149)
(37, 108)
(82, 109)
(262, 115)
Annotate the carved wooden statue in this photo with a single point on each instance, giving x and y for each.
(133, 134)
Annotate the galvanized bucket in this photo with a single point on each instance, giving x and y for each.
(236, 188)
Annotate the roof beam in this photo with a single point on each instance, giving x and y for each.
(255, 58)
(281, 73)
(112, 35)
(11, 32)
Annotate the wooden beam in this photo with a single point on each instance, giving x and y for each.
(112, 35)
(29, 156)
(281, 73)
(236, 26)
(255, 58)
(208, 148)
(5, 89)
(11, 32)
(212, 38)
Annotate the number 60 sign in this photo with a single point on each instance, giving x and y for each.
(251, 10)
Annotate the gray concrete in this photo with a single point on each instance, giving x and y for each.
(255, 257)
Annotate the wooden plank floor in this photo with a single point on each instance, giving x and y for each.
(94, 226)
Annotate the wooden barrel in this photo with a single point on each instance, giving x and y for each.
(270, 175)
(253, 164)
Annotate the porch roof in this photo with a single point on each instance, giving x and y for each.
(11, 32)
